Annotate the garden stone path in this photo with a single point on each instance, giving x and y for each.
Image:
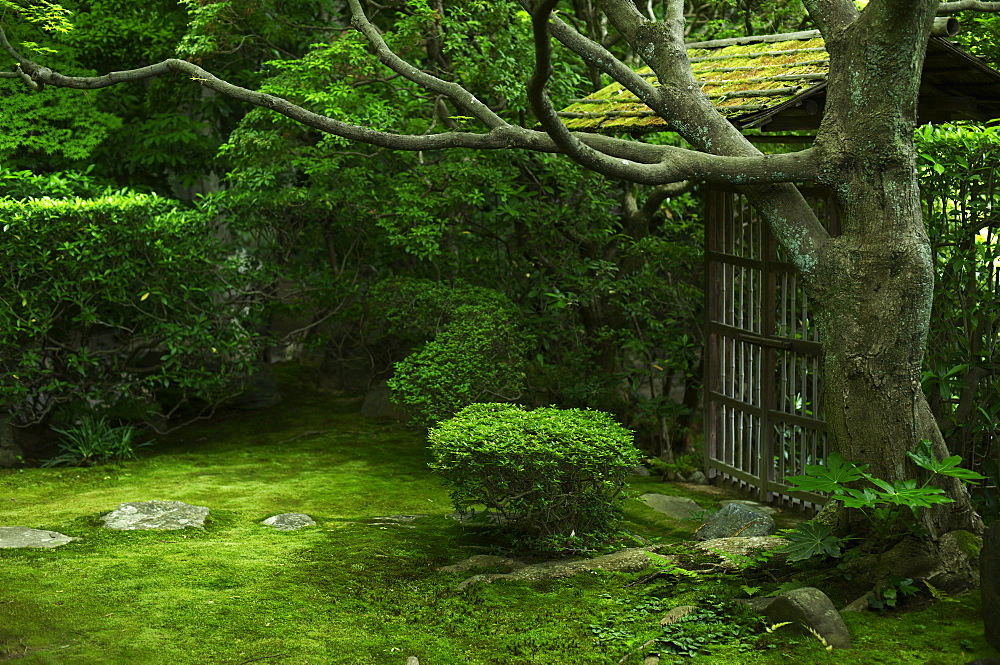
(146, 515)
(289, 521)
(22, 536)
(677, 507)
(630, 560)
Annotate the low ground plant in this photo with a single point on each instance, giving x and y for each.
(94, 440)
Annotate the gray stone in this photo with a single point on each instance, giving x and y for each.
(989, 576)
(412, 660)
(482, 561)
(144, 515)
(678, 507)
(806, 608)
(639, 470)
(760, 507)
(677, 614)
(736, 520)
(626, 561)
(738, 548)
(289, 521)
(698, 478)
(22, 536)
(398, 518)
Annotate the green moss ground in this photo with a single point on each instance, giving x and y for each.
(345, 591)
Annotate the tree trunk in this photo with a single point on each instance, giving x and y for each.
(875, 283)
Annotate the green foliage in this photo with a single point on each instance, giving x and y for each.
(881, 502)
(958, 178)
(895, 589)
(810, 539)
(95, 441)
(117, 301)
(549, 475)
(705, 627)
(476, 351)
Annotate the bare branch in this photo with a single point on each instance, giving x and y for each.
(968, 5)
(599, 57)
(674, 163)
(455, 92)
(831, 15)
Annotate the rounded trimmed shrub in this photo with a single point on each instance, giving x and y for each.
(549, 476)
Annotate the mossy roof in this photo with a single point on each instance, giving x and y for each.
(755, 81)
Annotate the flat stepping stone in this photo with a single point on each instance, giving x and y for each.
(630, 560)
(22, 536)
(677, 507)
(149, 515)
(289, 521)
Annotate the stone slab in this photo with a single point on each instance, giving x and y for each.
(289, 521)
(148, 515)
(16, 537)
(753, 505)
(677, 507)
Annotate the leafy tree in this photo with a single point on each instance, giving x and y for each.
(874, 340)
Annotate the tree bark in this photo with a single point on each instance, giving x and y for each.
(875, 283)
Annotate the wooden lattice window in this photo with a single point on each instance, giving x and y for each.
(763, 397)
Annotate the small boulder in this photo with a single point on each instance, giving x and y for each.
(22, 536)
(753, 505)
(736, 521)
(678, 507)
(639, 470)
(697, 478)
(806, 608)
(289, 521)
(989, 575)
(146, 515)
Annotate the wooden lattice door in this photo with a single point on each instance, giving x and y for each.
(763, 392)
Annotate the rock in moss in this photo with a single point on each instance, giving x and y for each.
(147, 515)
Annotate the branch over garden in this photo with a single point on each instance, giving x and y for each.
(621, 159)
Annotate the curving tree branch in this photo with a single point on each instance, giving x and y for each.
(623, 159)
(968, 5)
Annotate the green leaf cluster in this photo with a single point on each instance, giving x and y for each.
(880, 501)
(550, 476)
(120, 300)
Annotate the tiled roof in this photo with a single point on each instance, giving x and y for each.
(779, 82)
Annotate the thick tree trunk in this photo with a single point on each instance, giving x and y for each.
(875, 283)
(874, 322)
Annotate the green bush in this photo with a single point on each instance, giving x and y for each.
(476, 351)
(549, 476)
(115, 302)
